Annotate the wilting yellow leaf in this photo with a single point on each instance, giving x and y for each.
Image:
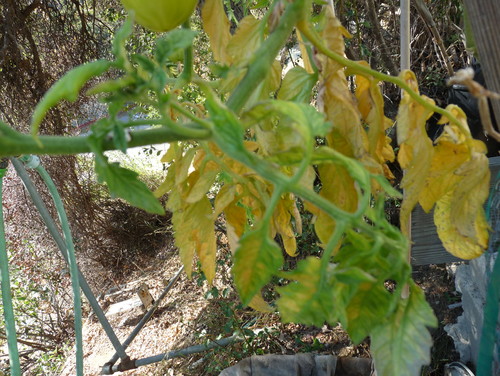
(236, 221)
(194, 231)
(441, 178)
(282, 222)
(216, 25)
(469, 196)
(338, 102)
(182, 165)
(303, 53)
(225, 196)
(246, 39)
(259, 304)
(170, 154)
(371, 107)
(459, 245)
(167, 184)
(257, 258)
(416, 151)
(339, 188)
(200, 187)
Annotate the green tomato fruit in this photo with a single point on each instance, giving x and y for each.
(160, 15)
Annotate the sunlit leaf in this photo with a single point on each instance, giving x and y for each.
(246, 39)
(259, 304)
(338, 102)
(216, 25)
(401, 344)
(194, 232)
(257, 258)
(125, 184)
(282, 223)
(67, 87)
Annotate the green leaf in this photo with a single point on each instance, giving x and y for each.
(297, 85)
(145, 63)
(68, 88)
(310, 299)
(124, 183)
(401, 345)
(120, 138)
(257, 258)
(119, 50)
(172, 42)
(370, 305)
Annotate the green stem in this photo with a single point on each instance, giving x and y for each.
(8, 310)
(75, 284)
(179, 108)
(18, 143)
(259, 66)
(187, 73)
(367, 71)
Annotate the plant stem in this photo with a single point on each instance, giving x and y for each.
(259, 66)
(312, 36)
(12, 144)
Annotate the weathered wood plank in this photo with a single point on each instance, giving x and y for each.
(427, 248)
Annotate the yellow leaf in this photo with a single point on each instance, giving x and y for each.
(304, 54)
(339, 188)
(448, 157)
(246, 40)
(259, 304)
(371, 107)
(281, 221)
(194, 231)
(416, 151)
(459, 245)
(167, 184)
(225, 196)
(236, 221)
(469, 196)
(182, 165)
(202, 185)
(216, 25)
(170, 154)
(339, 104)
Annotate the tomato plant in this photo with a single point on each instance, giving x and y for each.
(258, 139)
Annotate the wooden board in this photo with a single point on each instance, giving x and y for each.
(427, 248)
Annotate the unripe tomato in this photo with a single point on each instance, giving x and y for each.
(161, 15)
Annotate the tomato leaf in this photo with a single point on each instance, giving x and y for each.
(194, 231)
(216, 25)
(297, 85)
(257, 258)
(67, 87)
(173, 42)
(125, 184)
(401, 345)
(309, 299)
